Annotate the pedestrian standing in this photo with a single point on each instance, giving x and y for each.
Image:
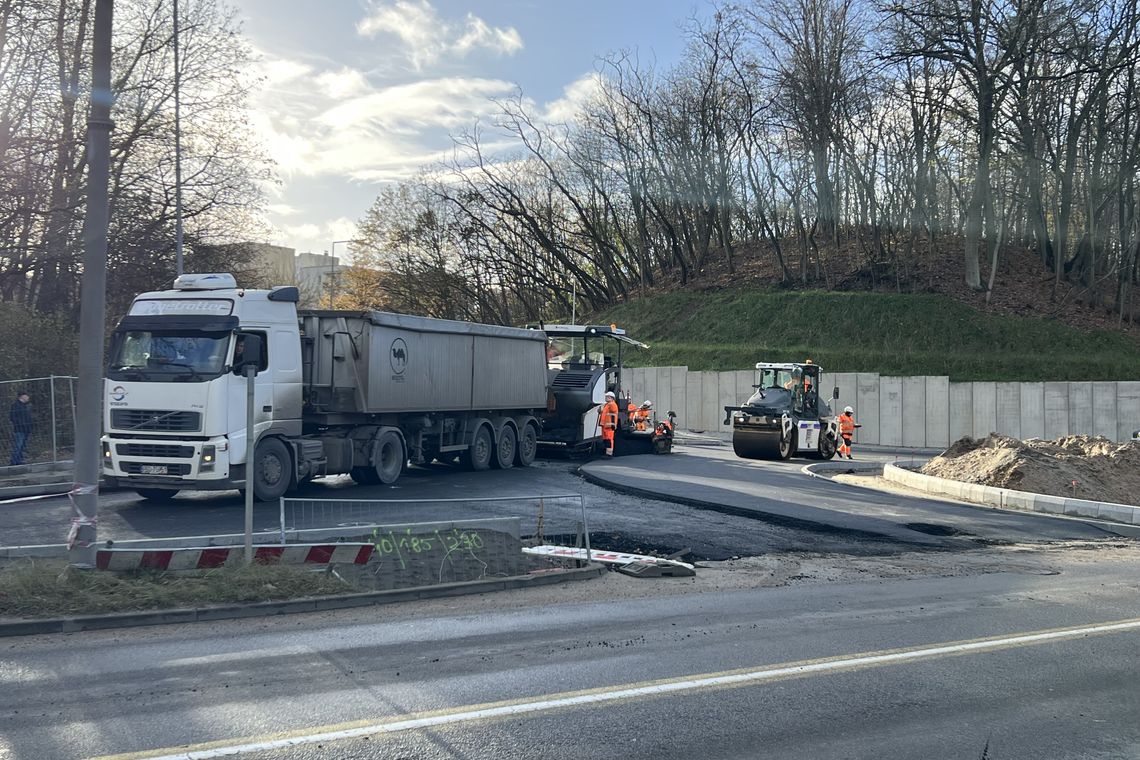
(609, 422)
(20, 415)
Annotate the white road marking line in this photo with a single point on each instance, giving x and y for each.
(616, 693)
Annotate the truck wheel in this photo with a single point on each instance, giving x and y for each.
(271, 470)
(527, 447)
(365, 476)
(156, 495)
(388, 457)
(478, 455)
(506, 448)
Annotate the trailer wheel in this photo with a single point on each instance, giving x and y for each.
(156, 495)
(478, 455)
(505, 448)
(388, 457)
(527, 447)
(271, 464)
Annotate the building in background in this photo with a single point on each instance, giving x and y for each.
(317, 277)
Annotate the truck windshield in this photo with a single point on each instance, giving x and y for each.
(168, 356)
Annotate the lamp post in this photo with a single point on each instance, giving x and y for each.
(93, 301)
(332, 271)
(177, 148)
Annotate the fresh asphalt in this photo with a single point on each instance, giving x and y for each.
(714, 478)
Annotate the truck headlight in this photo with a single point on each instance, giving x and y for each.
(207, 459)
(106, 452)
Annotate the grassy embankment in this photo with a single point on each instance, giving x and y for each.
(868, 332)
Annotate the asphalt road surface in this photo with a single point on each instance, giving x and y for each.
(963, 667)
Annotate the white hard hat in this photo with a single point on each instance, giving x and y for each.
(610, 394)
(648, 404)
(848, 410)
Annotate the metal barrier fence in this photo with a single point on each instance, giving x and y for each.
(557, 518)
(44, 430)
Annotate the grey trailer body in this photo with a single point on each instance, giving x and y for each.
(380, 362)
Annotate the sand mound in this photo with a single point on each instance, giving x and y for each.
(1104, 470)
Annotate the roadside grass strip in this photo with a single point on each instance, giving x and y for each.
(624, 692)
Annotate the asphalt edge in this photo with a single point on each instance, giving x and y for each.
(752, 514)
(294, 606)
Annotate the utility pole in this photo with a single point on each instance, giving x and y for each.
(332, 272)
(93, 297)
(177, 147)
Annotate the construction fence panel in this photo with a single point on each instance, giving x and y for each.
(50, 436)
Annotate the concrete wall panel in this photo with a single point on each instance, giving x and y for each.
(914, 412)
(745, 379)
(1080, 409)
(848, 384)
(867, 408)
(634, 380)
(890, 411)
(1104, 410)
(678, 393)
(937, 411)
(1127, 409)
(710, 397)
(1056, 410)
(726, 382)
(985, 409)
(1009, 409)
(1032, 407)
(961, 410)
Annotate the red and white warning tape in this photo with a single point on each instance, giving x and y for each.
(231, 556)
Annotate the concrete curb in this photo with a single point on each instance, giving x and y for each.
(293, 606)
(1005, 498)
(34, 489)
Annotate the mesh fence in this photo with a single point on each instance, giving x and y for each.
(43, 429)
(553, 519)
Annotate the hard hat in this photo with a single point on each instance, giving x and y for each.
(648, 404)
(848, 410)
(610, 394)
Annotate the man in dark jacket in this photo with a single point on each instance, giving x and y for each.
(21, 417)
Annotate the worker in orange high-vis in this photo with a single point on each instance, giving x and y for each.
(641, 417)
(846, 432)
(609, 422)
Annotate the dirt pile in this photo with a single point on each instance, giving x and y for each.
(1103, 470)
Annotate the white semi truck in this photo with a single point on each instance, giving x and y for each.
(361, 393)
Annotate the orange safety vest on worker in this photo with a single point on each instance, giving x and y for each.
(609, 419)
(846, 431)
(641, 418)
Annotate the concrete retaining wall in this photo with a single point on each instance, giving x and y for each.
(915, 412)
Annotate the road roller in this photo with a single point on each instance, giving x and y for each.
(786, 416)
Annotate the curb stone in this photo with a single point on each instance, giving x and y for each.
(292, 606)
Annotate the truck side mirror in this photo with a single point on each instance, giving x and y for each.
(835, 392)
(251, 354)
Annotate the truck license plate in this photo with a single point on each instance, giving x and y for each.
(153, 469)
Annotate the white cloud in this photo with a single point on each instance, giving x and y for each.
(427, 38)
(281, 209)
(574, 96)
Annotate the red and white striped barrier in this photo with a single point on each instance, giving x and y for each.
(231, 556)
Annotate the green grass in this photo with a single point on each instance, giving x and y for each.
(868, 332)
(49, 588)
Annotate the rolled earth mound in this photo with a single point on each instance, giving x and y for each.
(1103, 470)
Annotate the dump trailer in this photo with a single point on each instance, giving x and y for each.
(785, 416)
(336, 392)
(583, 363)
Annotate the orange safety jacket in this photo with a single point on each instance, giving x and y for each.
(610, 416)
(846, 425)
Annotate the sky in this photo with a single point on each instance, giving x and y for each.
(357, 94)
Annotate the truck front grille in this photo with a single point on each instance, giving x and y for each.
(154, 450)
(156, 420)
